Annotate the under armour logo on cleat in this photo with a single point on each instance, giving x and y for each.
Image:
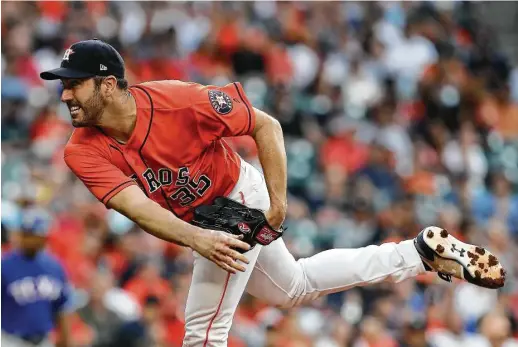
(461, 251)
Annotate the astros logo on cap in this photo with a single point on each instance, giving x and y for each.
(67, 54)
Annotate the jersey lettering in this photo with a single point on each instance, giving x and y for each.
(151, 180)
(165, 176)
(31, 289)
(183, 177)
(189, 189)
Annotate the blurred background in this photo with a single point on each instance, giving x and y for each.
(396, 116)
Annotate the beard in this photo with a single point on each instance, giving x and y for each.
(90, 112)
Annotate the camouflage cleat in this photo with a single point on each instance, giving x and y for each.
(448, 256)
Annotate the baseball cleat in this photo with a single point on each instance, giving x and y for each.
(448, 256)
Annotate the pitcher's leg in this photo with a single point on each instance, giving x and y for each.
(214, 294)
(212, 300)
(281, 280)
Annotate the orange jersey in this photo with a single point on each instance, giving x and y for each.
(176, 153)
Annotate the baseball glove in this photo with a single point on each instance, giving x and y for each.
(234, 218)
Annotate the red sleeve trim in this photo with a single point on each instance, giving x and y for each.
(247, 109)
(116, 190)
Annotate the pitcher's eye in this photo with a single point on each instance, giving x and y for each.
(69, 84)
(74, 83)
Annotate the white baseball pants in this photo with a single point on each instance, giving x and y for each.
(9, 340)
(274, 276)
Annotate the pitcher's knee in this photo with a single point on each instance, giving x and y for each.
(301, 290)
(193, 336)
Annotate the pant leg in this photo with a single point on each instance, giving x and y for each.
(214, 294)
(282, 281)
(212, 300)
(274, 276)
(9, 340)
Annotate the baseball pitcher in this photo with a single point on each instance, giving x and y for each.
(155, 153)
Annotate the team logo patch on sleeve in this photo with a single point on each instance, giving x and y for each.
(220, 101)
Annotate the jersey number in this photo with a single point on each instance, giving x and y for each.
(189, 189)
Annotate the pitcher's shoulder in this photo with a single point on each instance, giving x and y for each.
(171, 94)
(84, 138)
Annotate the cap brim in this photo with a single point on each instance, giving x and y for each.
(63, 72)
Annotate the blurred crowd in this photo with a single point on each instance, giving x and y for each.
(396, 115)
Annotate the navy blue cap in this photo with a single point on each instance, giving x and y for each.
(85, 59)
(35, 221)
